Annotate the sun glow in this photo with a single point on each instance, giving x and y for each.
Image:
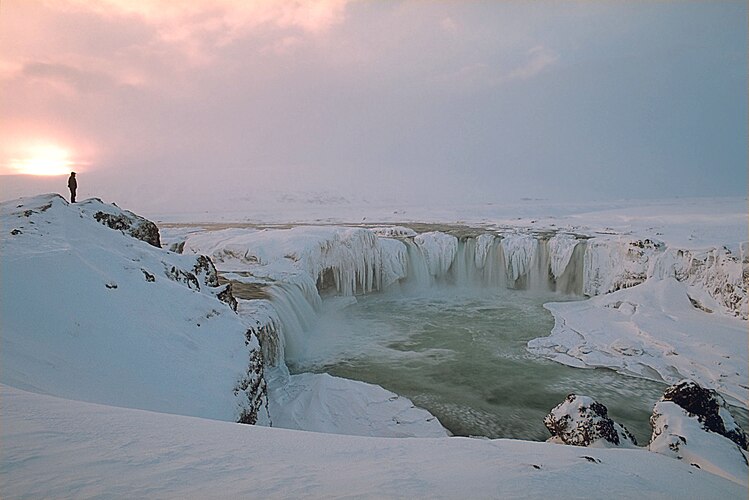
(44, 159)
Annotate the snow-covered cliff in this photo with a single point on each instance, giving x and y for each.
(91, 312)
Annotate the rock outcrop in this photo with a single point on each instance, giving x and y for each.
(709, 407)
(129, 223)
(583, 421)
(694, 424)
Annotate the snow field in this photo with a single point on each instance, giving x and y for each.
(68, 449)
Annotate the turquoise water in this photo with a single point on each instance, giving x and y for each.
(460, 353)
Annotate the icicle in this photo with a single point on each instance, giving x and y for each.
(518, 252)
(439, 250)
(561, 247)
(484, 244)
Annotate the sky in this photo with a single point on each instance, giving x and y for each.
(162, 105)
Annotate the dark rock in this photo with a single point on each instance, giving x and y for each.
(709, 407)
(131, 224)
(226, 296)
(16, 232)
(182, 276)
(204, 267)
(177, 247)
(253, 388)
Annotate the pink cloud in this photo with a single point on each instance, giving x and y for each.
(224, 19)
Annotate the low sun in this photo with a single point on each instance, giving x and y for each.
(44, 159)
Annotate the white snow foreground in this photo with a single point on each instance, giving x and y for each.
(67, 449)
(94, 314)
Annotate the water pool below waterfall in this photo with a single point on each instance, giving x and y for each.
(460, 353)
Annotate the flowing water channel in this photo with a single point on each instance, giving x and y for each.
(460, 353)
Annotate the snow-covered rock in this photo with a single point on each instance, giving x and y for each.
(613, 263)
(122, 220)
(710, 409)
(95, 314)
(717, 271)
(694, 424)
(583, 421)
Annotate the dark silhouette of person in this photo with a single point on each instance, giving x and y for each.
(73, 185)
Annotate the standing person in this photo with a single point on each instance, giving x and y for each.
(73, 185)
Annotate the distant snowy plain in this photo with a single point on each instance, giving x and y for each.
(69, 449)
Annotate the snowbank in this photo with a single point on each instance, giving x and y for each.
(323, 403)
(652, 330)
(65, 449)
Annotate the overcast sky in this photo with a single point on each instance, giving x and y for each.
(158, 104)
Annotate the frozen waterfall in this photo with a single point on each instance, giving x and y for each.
(300, 265)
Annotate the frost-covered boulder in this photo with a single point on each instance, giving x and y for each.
(708, 407)
(583, 421)
(693, 424)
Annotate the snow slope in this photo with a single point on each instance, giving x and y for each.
(94, 314)
(66, 449)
